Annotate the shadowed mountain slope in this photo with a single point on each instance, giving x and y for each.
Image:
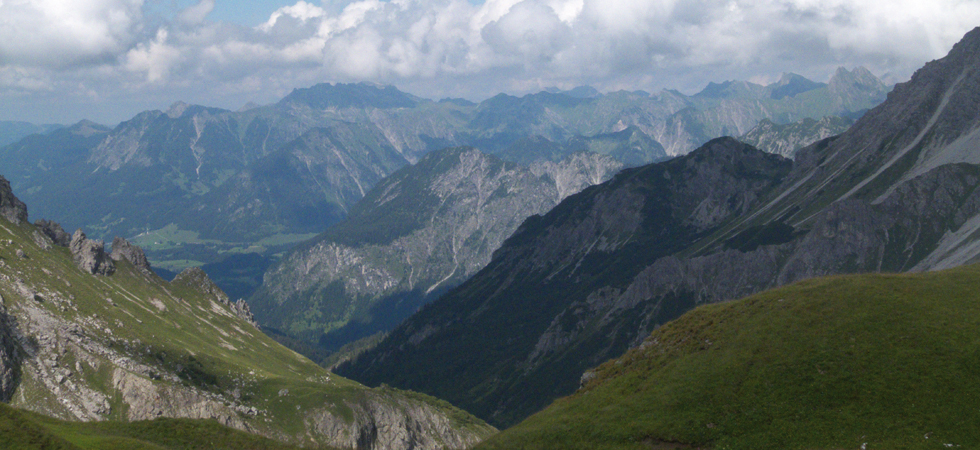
(896, 192)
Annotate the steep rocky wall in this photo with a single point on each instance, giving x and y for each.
(11, 208)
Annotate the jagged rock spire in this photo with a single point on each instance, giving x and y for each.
(90, 255)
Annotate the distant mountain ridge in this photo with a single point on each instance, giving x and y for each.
(895, 192)
(13, 131)
(789, 138)
(196, 185)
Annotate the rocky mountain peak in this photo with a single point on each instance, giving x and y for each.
(791, 85)
(87, 128)
(359, 95)
(123, 249)
(177, 109)
(11, 208)
(859, 77)
(89, 255)
(929, 121)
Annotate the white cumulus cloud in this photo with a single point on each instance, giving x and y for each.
(61, 33)
(456, 48)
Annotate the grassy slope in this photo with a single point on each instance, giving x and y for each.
(197, 338)
(890, 361)
(28, 431)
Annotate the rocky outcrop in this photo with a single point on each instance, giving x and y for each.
(388, 420)
(124, 250)
(89, 255)
(196, 279)
(54, 232)
(11, 208)
(148, 400)
(243, 311)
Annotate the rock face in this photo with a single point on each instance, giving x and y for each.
(418, 233)
(895, 192)
(90, 255)
(11, 208)
(10, 357)
(124, 250)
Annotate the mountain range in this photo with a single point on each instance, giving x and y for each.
(197, 185)
(561, 264)
(597, 274)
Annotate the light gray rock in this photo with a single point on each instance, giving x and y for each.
(90, 255)
(124, 250)
(41, 240)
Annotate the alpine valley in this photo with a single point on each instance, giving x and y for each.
(605, 268)
(779, 266)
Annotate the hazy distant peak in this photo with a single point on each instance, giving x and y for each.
(576, 92)
(359, 95)
(791, 84)
(86, 128)
(583, 92)
(249, 106)
(858, 76)
(457, 101)
(728, 89)
(177, 109)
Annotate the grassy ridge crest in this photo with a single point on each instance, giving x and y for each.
(865, 361)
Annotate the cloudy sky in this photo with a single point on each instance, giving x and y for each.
(106, 60)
